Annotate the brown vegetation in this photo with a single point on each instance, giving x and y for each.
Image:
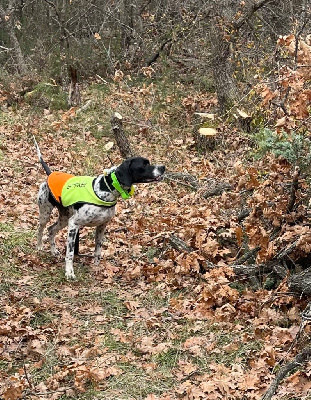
(203, 292)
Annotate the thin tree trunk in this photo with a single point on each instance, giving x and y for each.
(224, 26)
(7, 21)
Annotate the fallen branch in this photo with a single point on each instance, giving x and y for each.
(179, 244)
(301, 282)
(244, 214)
(250, 254)
(85, 107)
(216, 189)
(156, 55)
(187, 180)
(295, 363)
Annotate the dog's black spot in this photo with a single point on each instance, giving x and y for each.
(53, 201)
(71, 239)
(77, 206)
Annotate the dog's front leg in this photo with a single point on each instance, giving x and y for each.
(73, 229)
(99, 239)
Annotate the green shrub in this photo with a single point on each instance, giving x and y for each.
(47, 95)
(293, 147)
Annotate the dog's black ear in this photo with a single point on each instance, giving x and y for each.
(123, 173)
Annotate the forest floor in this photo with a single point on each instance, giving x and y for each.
(149, 322)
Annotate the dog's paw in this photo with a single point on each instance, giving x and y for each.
(69, 273)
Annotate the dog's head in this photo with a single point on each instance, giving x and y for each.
(138, 170)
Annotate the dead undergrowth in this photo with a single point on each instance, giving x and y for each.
(150, 322)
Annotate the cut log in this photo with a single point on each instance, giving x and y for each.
(120, 137)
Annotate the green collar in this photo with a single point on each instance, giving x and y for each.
(124, 193)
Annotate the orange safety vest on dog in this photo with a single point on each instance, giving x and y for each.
(56, 182)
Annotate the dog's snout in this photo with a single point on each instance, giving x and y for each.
(162, 169)
(159, 170)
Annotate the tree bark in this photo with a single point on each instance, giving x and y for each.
(7, 20)
(301, 282)
(121, 139)
(74, 98)
(296, 363)
(127, 26)
(225, 84)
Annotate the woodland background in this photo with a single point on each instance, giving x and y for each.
(203, 291)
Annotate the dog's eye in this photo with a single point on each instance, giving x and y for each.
(146, 162)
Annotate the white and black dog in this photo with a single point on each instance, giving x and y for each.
(87, 201)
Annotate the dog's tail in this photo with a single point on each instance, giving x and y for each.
(42, 162)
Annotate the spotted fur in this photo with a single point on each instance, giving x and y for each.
(131, 171)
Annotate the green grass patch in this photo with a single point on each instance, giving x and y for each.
(110, 341)
(168, 359)
(41, 318)
(90, 394)
(136, 383)
(4, 365)
(49, 95)
(154, 299)
(14, 239)
(112, 304)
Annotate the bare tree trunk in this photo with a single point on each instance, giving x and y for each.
(225, 84)
(127, 26)
(225, 25)
(7, 20)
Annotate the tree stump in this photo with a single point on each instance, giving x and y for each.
(244, 120)
(74, 98)
(120, 137)
(204, 137)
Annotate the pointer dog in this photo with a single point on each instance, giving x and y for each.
(87, 201)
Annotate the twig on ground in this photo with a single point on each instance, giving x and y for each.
(247, 256)
(300, 358)
(180, 178)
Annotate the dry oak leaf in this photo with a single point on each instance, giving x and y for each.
(122, 336)
(249, 381)
(269, 355)
(36, 346)
(185, 369)
(147, 346)
(13, 392)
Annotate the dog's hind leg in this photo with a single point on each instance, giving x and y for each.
(99, 239)
(45, 210)
(73, 229)
(55, 228)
